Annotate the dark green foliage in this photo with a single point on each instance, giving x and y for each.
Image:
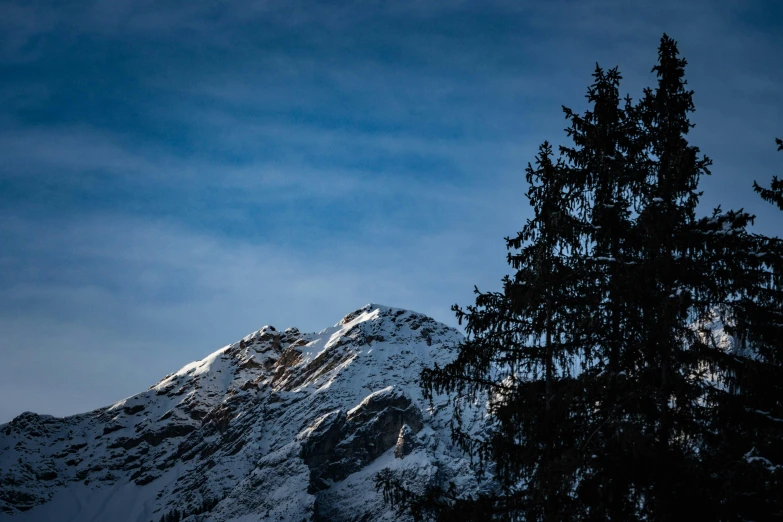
(610, 395)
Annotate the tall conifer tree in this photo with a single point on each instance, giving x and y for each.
(520, 355)
(612, 393)
(533, 346)
(667, 409)
(744, 450)
(604, 158)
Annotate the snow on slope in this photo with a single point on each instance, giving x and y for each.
(278, 426)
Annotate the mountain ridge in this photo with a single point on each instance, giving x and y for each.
(276, 426)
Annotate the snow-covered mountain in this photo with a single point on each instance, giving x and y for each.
(278, 426)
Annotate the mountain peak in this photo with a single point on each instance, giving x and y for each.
(302, 416)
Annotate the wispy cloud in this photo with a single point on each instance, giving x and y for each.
(88, 298)
(175, 174)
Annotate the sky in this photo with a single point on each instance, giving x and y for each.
(176, 174)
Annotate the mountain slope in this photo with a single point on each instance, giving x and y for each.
(278, 426)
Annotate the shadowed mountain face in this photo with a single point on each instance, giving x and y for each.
(281, 425)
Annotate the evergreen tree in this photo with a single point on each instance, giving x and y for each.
(542, 392)
(693, 419)
(604, 158)
(610, 394)
(665, 408)
(530, 382)
(746, 449)
(531, 348)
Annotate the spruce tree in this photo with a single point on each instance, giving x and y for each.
(664, 409)
(543, 390)
(537, 340)
(529, 382)
(604, 158)
(611, 393)
(746, 447)
(697, 274)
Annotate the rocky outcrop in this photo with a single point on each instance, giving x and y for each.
(339, 444)
(406, 443)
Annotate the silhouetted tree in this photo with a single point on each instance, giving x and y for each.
(612, 396)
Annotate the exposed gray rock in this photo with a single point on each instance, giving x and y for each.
(406, 442)
(340, 444)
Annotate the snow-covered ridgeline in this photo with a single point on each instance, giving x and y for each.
(279, 426)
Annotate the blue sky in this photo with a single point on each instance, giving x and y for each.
(176, 174)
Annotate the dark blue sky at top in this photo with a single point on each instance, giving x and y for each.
(176, 174)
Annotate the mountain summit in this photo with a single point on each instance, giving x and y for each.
(281, 425)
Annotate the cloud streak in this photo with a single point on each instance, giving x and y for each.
(128, 290)
(173, 175)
